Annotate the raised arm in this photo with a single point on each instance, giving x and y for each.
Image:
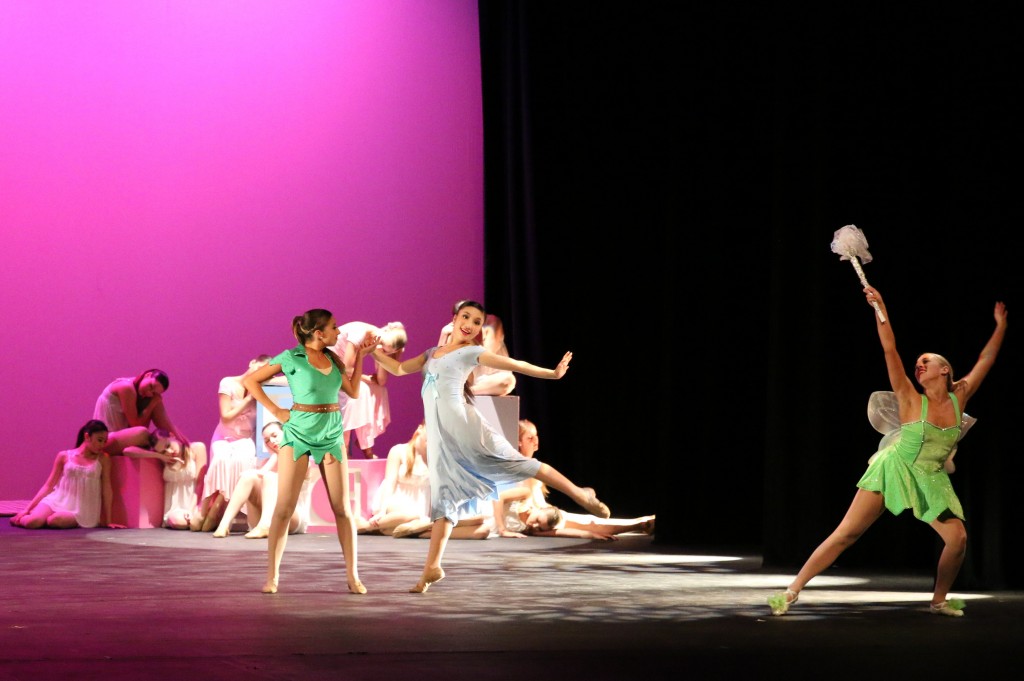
(969, 383)
(350, 384)
(898, 379)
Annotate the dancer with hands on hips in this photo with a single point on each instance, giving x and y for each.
(468, 458)
(908, 472)
(312, 430)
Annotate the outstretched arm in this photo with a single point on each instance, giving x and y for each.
(495, 361)
(393, 366)
(969, 383)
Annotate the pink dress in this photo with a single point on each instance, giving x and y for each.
(369, 414)
(233, 445)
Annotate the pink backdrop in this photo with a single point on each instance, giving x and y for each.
(178, 180)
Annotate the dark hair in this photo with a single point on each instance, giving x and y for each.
(456, 309)
(306, 324)
(468, 303)
(92, 426)
(159, 375)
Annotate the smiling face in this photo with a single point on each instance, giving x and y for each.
(467, 324)
(931, 367)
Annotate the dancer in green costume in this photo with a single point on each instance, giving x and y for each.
(909, 471)
(312, 430)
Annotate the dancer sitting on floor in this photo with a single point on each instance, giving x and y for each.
(523, 510)
(77, 492)
(257, 492)
(181, 476)
(404, 494)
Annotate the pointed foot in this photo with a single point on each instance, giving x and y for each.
(429, 577)
(594, 506)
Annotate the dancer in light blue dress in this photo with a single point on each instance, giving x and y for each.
(466, 456)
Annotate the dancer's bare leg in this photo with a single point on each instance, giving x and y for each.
(335, 477)
(432, 572)
(216, 511)
(247, 490)
(954, 535)
(290, 474)
(268, 500)
(584, 496)
(610, 526)
(864, 510)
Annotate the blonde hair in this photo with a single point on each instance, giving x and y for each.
(950, 384)
(393, 334)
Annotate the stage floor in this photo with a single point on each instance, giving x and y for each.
(161, 604)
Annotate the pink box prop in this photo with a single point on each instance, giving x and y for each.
(138, 491)
(364, 477)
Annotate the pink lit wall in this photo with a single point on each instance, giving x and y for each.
(179, 179)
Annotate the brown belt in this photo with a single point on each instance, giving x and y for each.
(318, 408)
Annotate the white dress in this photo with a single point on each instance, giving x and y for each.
(468, 458)
(108, 407)
(79, 491)
(179, 487)
(412, 488)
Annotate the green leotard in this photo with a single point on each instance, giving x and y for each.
(908, 472)
(312, 433)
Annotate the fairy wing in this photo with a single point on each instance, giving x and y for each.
(884, 416)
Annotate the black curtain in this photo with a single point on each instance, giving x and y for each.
(662, 188)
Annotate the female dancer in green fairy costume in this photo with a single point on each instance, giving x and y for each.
(908, 472)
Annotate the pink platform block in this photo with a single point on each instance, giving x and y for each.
(138, 490)
(364, 477)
